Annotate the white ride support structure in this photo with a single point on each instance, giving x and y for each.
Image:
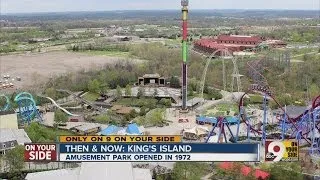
(58, 106)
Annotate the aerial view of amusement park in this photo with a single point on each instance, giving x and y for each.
(208, 71)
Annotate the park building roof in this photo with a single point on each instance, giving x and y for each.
(132, 129)
(10, 138)
(9, 121)
(151, 76)
(18, 135)
(87, 128)
(240, 38)
(197, 130)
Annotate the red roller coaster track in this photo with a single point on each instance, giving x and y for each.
(293, 121)
(252, 65)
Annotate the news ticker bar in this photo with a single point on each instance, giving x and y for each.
(167, 157)
(138, 152)
(117, 139)
(158, 148)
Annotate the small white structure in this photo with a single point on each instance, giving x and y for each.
(195, 132)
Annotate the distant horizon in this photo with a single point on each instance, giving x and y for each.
(44, 6)
(90, 11)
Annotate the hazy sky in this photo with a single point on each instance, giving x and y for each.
(22, 6)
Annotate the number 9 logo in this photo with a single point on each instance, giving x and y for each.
(277, 149)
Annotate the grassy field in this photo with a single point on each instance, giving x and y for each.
(173, 42)
(227, 107)
(221, 110)
(91, 96)
(38, 133)
(102, 118)
(137, 102)
(108, 53)
(60, 132)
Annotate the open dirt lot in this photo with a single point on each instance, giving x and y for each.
(40, 66)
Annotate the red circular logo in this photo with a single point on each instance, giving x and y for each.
(276, 148)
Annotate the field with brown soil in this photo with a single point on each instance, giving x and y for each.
(39, 67)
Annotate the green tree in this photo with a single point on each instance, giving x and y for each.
(51, 92)
(156, 117)
(133, 114)
(104, 88)
(314, 90)
(189, 170)
(38, 133)
(142, 111)
(286, 171)
(141, 92)
(102, 118)
(128, 91)
(206, 89)
(119, 92)
(295, 36)
(155, 93)
(94, 86)
(151, 103)
(60, 116)
(193, 84)
(165, 102)
(174, 82)
(190, 92)
(15, 159)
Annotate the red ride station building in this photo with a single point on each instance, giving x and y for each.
(234, 43)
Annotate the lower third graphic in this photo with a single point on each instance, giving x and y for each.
(287, 150)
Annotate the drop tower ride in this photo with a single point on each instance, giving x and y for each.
(184, 4)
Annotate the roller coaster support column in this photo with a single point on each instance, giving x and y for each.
(211, 132)
(264, 120)
(315, 140)
(248, 131)
(221, 129)
(184, 4)
(283, 124)
(238, 128)
(221, 123)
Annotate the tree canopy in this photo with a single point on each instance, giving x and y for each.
(15, 158)
(94, 86)
(190, 170)
(128, 91)
(60, 116)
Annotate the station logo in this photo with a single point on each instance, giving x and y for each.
(287, 150)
